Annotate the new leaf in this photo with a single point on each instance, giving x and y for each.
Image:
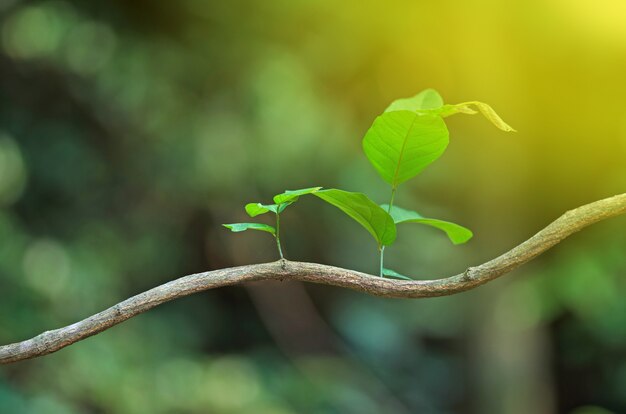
(237, 227)
(293, 195)
(466, 108)
(429, 101)
(255, 209)
(426, 99)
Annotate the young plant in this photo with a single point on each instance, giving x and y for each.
(281, 202)
(356, 205)
(409, 136)
(405, 139)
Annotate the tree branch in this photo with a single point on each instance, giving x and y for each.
(567, 224)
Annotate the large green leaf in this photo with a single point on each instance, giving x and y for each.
(426, 99)
(237, 227)
(400, 144)
(367, 213)
(456, 233)
(293, 195)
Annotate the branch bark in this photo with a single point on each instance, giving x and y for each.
(569, 223)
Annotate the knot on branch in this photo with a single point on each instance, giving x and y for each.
(282, 263)
(468, 275)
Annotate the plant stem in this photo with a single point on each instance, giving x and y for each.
(280, 250)
(382, 249)
(393, 196)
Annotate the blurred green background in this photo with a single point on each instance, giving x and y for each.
(130, 130)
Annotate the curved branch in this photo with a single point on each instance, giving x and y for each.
(567, 224)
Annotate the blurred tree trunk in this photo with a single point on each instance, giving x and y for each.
(510, 356)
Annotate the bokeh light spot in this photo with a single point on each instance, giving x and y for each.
(32, 32)
(47, 267)
(231, 383)
(89, 46)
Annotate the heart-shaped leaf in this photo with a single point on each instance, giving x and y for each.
(400, 144)
(367, 213)
(293, 195)
(395, 275)
(426, 99)
(237, 227)
(456, 233)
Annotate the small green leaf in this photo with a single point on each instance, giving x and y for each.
(426, 99)
(448, 110)
(237, 227)
(492, 116)
(394, 274)
(367, 213)
(283, 206)
(400, 144)
(255, 209)
(293, 195)
(456, 233)
(430, 102)
(486, 110)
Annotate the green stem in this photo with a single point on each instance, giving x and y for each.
(382, 249)
(280, 250)
(393, 196)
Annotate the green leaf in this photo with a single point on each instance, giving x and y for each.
(447, 110)
(394, 274)
(237, 227)
(255, 209)
(400, 144)
(293, 195)
(483, 108)
(282, 201)
(367, 213)
(430, 102)
(426, 99)
(283, 206)
(456, 233)
(492, 116)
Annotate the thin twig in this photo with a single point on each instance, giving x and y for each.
(567, 224)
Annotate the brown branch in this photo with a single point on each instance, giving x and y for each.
(567, 224)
